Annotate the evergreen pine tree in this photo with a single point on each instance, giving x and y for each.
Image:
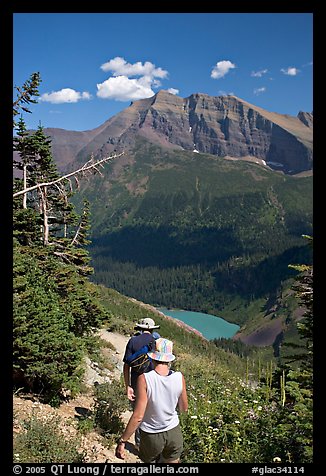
(26, 94)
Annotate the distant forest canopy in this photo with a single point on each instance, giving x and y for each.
(199, 287)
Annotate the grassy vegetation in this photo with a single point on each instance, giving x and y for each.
(240, 409)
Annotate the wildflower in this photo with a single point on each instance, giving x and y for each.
(259, 408)
(194, 417)
(237, 421)
(277, 459)
(252, 415)
(222, 460)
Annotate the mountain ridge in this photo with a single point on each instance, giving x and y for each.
(226, 126)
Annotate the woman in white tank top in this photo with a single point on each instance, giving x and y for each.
(161, 394)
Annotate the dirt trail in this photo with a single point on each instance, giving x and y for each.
(118, 340)
(69, 411)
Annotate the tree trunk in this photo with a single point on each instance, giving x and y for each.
(25, 186)
(45, 217)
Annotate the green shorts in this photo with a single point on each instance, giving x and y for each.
(169, 444)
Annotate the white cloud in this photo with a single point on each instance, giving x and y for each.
(259, 90)
(221, 69)
(120, 67)
(259, 74)
(290, 71)
(173, 91)
(121, 87)
(66, 95)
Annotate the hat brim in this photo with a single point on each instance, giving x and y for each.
(160, 357)
(148, 328)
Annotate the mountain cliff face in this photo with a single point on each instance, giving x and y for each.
(224, 126)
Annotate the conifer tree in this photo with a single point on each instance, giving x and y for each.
(26, 94)
(22, 145)
(46, 353)
(295, 428)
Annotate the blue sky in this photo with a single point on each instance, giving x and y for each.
(93, 65)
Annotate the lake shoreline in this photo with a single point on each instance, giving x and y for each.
(208, 326)
(184, 325)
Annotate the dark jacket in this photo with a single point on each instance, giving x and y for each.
(135, 343)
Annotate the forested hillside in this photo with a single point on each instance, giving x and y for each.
(198, 232)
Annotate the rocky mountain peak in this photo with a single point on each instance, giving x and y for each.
(164, 99)
(307, 118)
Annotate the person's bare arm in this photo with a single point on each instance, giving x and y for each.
(126, 375)
(136, 417)
(183, 399)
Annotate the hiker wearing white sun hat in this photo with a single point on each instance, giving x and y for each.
(146, 324)
(161, 394)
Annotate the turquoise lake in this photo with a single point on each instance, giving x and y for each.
(210, 326)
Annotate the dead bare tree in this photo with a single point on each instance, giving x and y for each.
(90, 167)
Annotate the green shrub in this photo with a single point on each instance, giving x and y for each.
(85, 424)
(110, 403)
(43, 442)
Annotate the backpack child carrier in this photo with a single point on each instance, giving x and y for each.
(139, 361)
